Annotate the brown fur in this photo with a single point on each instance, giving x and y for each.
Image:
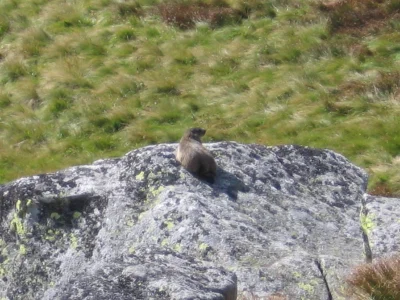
(194, 157)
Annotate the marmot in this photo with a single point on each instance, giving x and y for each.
(194, 157)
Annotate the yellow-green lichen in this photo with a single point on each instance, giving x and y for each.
(141, 215)
(50, 238)
(140, 176)
(18, 206)
(367, 223)
(51, 235)
(55, 216)
(296, 275)
(17, 226)
(308, 287)
(155, 192)
(130, 223)
(22, 249)
(3, 250)
(76, 215)
(164, 243)
(154, 176)
(73, 241)
(21, 207)
(231, 268)
(178, 247)
(169, 223)
(2, 271)
(131, 250)
(203, 247)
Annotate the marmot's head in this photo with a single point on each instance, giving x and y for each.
(195, 133)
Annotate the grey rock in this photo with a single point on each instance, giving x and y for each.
(381, 222)
(277, 221)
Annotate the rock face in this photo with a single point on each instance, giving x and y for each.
(381, 222)
(278, 221)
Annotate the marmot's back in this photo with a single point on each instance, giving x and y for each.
(194, 157)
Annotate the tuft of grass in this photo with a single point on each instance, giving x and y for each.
(33, 40)
(58, 100)
(4, 24)
(72, 73)
(121, 86)
(168, 87)
(129, 9)
(168, 117)
(355, 14)
(382, 189)
(185, 15)
(27, 93)
(90, 47)
(379, 280)
(4, 100)
(66, 17)
(388, 82)
(256, 8)
(101, 143)
(113, 123)
(393, 6)
(13, 68)
(125, 34)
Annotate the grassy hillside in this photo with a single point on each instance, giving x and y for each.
(87, 79)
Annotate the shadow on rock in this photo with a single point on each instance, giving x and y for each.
(229, 184)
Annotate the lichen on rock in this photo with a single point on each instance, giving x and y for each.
(277, 221)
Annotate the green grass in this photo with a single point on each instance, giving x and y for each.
(83, 80)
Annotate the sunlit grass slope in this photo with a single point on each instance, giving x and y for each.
(88, 79)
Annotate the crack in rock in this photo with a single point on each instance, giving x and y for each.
(321, 270)
(364, 229)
